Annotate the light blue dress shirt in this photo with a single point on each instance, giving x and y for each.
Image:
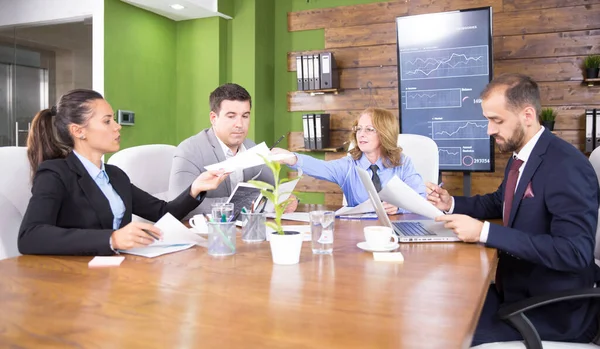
(100, 176)
(343, 172)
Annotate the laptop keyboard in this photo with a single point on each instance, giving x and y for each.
(411, 228)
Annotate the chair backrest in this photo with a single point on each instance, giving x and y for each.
(423, 152)
(15, 192)
(148, 167)
(595, 160)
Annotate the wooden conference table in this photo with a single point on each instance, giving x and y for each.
(192, 300)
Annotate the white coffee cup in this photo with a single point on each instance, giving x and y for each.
(379, 236)
(198, 223)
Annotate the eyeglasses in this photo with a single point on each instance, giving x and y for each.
(368, 130)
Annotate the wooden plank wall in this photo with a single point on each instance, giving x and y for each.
(546, 39)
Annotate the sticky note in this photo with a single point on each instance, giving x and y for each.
(388, 257)
(112, 261)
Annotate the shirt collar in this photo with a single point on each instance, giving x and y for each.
(92, 169)
(364, 163)
(228, 153)
(528, 147)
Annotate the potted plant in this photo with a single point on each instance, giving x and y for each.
(592, 65)
(285, 245)
(548, 117)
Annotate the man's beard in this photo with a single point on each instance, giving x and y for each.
(515, 142)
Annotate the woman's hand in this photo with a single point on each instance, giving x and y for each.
(133, 235)
(293, 205)
(291, 161)
(390, 209)
(207, 180)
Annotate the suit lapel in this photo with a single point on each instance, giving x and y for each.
(218, 151)
(122, 188)
(534, 161)
(92, 192)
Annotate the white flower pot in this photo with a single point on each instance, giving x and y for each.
(285, 249)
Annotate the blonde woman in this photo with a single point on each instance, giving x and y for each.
(375, 134)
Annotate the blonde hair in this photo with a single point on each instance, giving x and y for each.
(387, 126)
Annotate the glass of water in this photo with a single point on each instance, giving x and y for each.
(321, 228)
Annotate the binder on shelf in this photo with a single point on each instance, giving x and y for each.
(311, 131)
(299, 72)
(305, 128)
(305, 72)
(311, 73)
(321, 131)
(589, 130)
(329, 72)
(597, 127)
(317, 73)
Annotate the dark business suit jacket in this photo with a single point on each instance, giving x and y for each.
(548, 244)
(69, 215)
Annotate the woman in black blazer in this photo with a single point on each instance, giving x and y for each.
(71, 213)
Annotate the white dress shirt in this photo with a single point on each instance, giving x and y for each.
(522, 155)
(238, 175)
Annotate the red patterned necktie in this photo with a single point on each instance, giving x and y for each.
(509, 190)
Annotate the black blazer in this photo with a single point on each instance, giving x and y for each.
(548, 245)
(69, 215)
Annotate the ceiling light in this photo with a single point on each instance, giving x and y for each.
(177, 7)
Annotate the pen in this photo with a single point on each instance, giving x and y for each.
(152, 235)
(279, 140)
(223, 218)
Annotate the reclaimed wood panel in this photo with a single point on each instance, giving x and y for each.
(575, 43)
(361, 35)
(345, 100)
(567, 93)
(376, 76)
(548, 20)
(333, 199)
(543, 69)
(354, 57)
(518, 5)
(313, 185)
(345, 16)
(338, 138)
(432, 6)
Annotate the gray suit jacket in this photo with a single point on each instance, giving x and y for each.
(201, 150)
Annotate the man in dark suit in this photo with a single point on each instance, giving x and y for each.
(230, 106)
(549, 204)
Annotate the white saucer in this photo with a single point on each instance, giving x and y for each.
(389, 247)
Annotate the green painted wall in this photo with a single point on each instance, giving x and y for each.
(139, 56)
(285, 81)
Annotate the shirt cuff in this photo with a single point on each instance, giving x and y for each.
(111, 246)
(485, 231)
(298, 163)
(451, 207)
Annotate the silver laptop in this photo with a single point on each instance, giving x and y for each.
(426, 230)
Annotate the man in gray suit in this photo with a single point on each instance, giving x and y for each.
(230, 106)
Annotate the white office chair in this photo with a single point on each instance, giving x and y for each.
(148, 168)
(15, 192)
(595, 160)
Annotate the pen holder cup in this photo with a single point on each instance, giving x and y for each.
(221, 238)
(253, 227)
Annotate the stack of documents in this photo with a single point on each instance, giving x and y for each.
(176, 237)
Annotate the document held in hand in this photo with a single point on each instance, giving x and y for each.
(250, 158)
(399, 194)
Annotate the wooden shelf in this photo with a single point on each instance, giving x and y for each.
(590, 82)
(335, 91)
(324, 150)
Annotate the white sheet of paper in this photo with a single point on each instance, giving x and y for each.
(302, 229)
(106, 261)
(152, 251)
(364, 207)
(398, 193)
(286, 189)
(294, 216)
(250, 158)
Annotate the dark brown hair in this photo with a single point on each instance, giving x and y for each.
(388, 128)
(228, 92)
(49, 137)
(521, 91)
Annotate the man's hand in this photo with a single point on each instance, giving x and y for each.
(466, 228)
(438, 197)
(293, 205)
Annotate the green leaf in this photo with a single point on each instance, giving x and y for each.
(261, 185)
(278, 229)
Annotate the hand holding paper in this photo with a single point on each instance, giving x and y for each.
(249, 158)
